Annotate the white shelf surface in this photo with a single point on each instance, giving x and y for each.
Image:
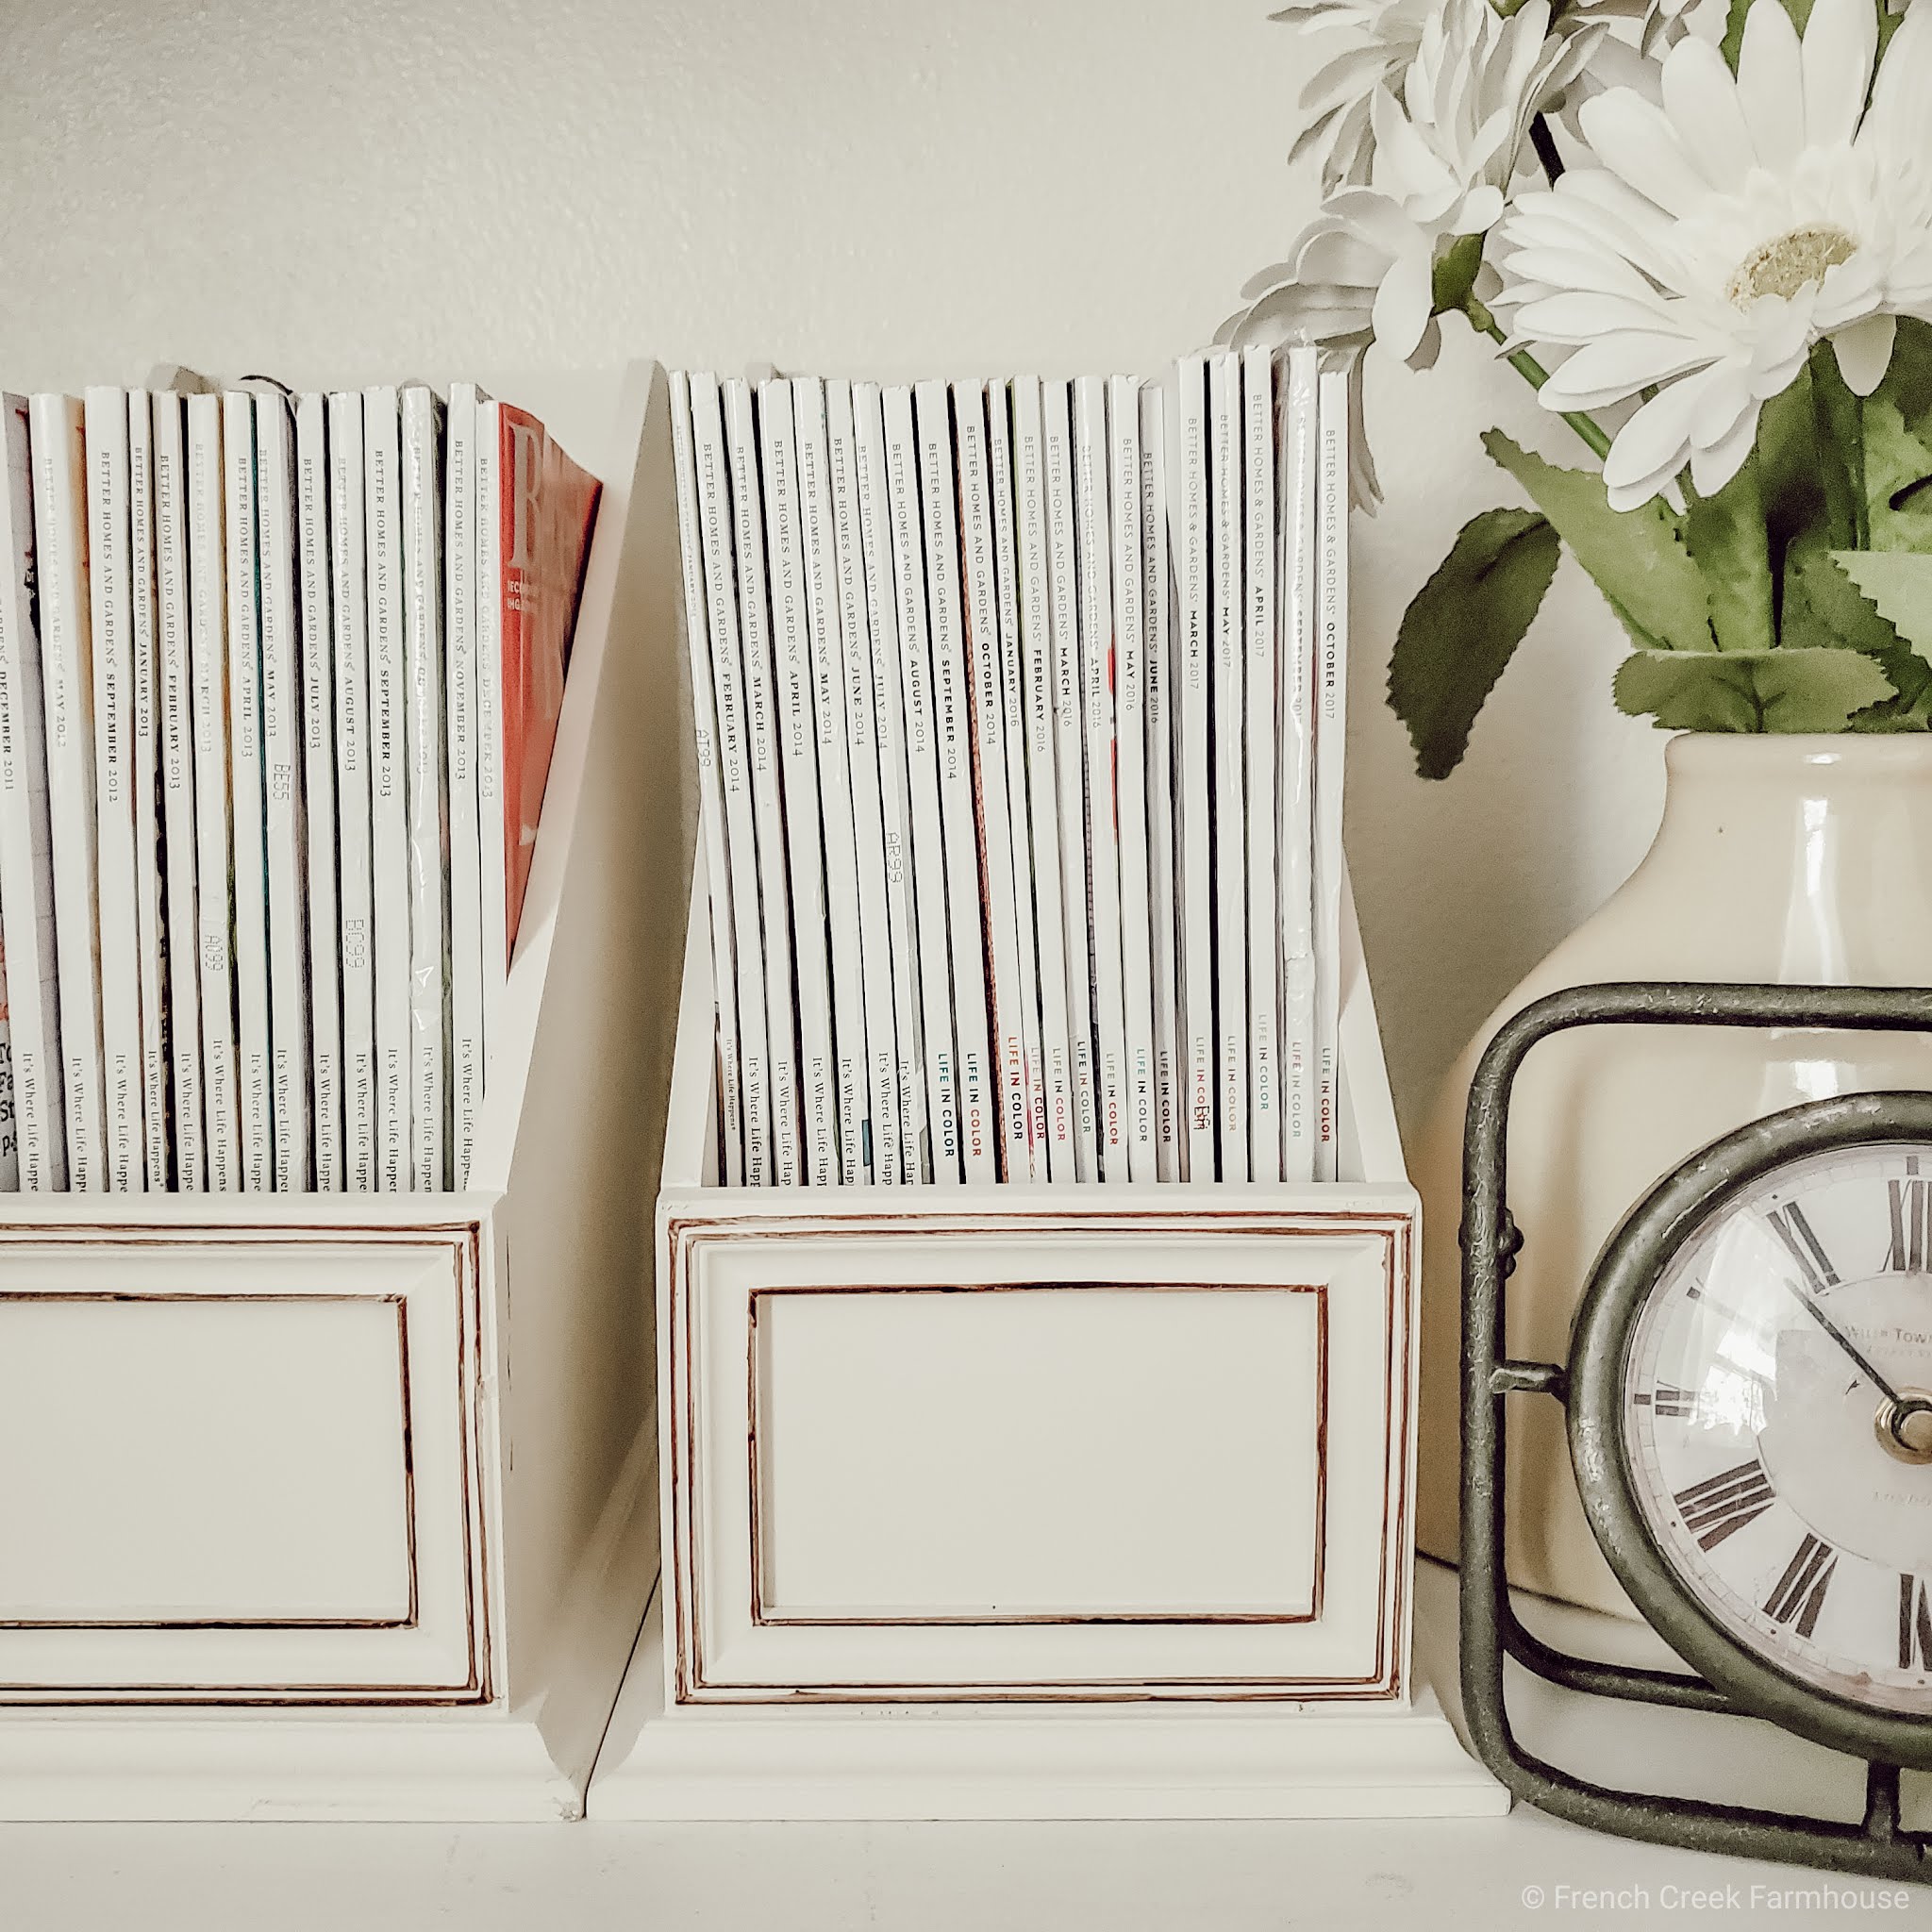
(1058, 1878)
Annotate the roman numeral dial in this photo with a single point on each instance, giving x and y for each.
(1814, 1265)
(1912, 1221)
(1799, 1595)
(1914, 1624)
(1721, 1506)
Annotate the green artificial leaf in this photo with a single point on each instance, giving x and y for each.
(1726, 538)
(1462, 628)
(1839, 452)
(1636, 556)
(1907, 382)
(1455, 273)
(1784, 690)
(1898, 479)
(1900, 586)
(1825, 608)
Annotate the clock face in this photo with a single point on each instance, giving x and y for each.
(1775, 1414)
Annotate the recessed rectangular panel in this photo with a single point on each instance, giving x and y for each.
(1037, 1453)
(217, 1459)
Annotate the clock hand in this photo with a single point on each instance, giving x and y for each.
(1844, 1340)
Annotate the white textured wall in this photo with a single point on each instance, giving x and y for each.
(338, 190)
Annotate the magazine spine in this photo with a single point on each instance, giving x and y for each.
(460, 758)
(1263, 701)
(1227, 739)
(1331, 725)
(59, 459)
(710, 776)
(1130, 767)
(349, 638)
(1058, 1099)
(874, 516)
(765, 752)
(1070, 764)
(213, 814)
(426, 788)
(388, 783)
(825, 630)
(953, 742)
(867, 778)
(1170, 1099)
(145, 691)
(928, 861)
(319, 790)
(27, 867)
(109, 597)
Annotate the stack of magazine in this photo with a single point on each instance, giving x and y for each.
(279, 680)
(1019, 715)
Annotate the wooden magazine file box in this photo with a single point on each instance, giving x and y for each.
(345, 1505)
(1030, 1501)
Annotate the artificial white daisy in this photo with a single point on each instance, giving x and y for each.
(1449, 138)
(1728, 230)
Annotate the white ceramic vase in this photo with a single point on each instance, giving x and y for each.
(1792, 860)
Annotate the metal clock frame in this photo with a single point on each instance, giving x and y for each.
(1879, 1846)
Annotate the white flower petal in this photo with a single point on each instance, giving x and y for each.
(1770, 82)
(1714, 466)
(1639, 142)
(1700, 99)
(1656, 438)
(1897, 128)
(1403, 304)
(1840, 43)
(1864, 352)
(1619, 366)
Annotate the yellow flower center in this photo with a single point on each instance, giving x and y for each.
(1790, 263)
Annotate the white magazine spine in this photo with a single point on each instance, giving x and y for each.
(1069, 719)
(465, 835)
(59, 459)
(877, 951)
(1094, 551)
(1193, 663)
(828, 648)
(145, 691)
(109, 599)
(953, 742)
(1131, 768)
(1170, 1100)
(724, 665)
(1263, 704)
(705, 741)
(1018, 806)
(424, 747)
(871, 497)
(763, 737)
(349, 638)
(1228, 740)
(255, 1082)
(176, 724)
(312, 573)
(928, 861)
(388, 783)
(27, 864)
(491, 824)
(213, 822)
(797, 736)
(284, 829)
(1331, 725)
(986, 765)
(1058, 1101)
(1294, 836)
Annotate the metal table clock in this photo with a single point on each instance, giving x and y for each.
(1749, 1404)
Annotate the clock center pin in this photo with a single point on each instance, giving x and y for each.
(1903, 1426)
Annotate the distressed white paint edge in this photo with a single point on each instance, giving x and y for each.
(1039, 1762)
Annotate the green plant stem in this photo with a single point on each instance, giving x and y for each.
(1536, 374)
